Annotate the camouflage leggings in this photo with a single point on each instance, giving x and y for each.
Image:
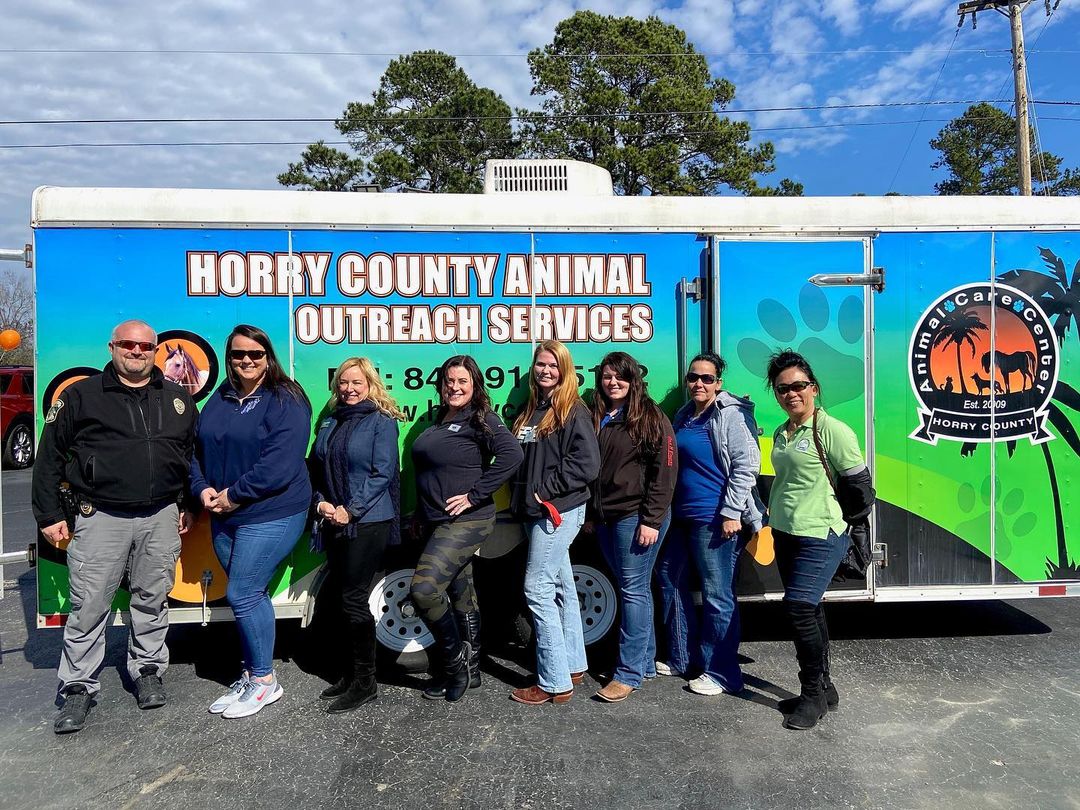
(446, 567)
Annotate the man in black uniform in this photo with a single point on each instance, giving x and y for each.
(121, 441)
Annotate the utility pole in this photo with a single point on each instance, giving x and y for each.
(1023, 134)
(1015, 11)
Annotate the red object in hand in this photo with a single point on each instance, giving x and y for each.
(553, 513)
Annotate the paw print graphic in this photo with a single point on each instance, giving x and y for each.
(1012, 523)
(829, 343)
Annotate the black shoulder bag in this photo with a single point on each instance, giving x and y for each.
(856, 499)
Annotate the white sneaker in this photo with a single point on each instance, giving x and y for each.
(230, 697)
(665, 669)
(705, 685)
(254, 697)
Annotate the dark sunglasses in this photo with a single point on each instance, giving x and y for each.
(132, 345)
(797, 386)
(708, 379)
(240, 354)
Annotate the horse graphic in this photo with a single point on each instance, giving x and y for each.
(180, 368)
(1009, 364)
(984, 385)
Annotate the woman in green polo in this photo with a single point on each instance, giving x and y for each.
(808, 526)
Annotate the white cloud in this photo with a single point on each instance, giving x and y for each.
(845, 13)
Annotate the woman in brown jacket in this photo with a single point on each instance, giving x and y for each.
(631, 507)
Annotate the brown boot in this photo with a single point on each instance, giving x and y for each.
(615, 692)
(535, 696)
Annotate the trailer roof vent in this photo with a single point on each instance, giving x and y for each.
(546, 176)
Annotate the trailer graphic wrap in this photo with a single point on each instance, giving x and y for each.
(1010, 342)
(956, 507)
(407, 300)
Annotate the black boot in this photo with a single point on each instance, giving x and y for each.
(451, 660)
(832, 697)
(362, 687)
(811, 705)
(469, 627)
(338, 688)
(72, 715)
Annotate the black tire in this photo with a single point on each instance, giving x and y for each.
(19, 447)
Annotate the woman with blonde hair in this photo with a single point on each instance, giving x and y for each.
(356, 497)
(549, 494)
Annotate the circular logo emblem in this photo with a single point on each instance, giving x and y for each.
(983, 365)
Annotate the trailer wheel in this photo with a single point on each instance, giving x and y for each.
(599, 603)
(402, 635)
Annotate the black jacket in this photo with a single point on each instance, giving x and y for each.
(97, 439)
(559, 467)
(453, 458)
(634, 481)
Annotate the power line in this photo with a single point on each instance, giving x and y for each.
(495, 55)
(922, 111)
(512, 117)
(129, 144)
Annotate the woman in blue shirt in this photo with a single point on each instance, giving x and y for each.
(249, 472)
(715, 512)
(355, 473)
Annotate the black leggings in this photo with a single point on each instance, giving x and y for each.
(353, 564)
(446, 567)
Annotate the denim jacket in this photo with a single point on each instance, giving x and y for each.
(734, 435)
(373, 466)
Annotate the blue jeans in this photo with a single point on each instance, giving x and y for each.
(250, 554)
(807, 564)
(632, 564)
(711, 646)
(551, 594)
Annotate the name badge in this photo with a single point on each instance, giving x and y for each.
(454, 428)
(527, 434)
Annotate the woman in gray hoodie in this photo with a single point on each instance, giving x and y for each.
(715, 512)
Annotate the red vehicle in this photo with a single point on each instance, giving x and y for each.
(17, 415)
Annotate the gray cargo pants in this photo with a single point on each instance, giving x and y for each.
(145, 543)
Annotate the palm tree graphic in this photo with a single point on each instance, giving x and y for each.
(1059, 297)
(959, 327)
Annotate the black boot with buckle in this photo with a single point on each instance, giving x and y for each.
(450, 665)
(469, 627)
(810, 706)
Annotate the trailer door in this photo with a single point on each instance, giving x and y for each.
(809, 295)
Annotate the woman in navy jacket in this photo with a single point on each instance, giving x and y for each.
(249, 471)
(355, 476)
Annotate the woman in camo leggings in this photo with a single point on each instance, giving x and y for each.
(460, 461)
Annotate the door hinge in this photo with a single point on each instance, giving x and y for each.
(692, 289)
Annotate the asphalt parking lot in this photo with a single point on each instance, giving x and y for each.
(948, 705)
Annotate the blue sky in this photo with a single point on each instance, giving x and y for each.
(64, 59)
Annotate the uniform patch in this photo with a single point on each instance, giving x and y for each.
(54, 411)
(454, 428)
(179, 405)
(803, 445)
(86, 509)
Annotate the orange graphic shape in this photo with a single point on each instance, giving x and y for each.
(196, 556)
(761, 547)
(65, 385)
